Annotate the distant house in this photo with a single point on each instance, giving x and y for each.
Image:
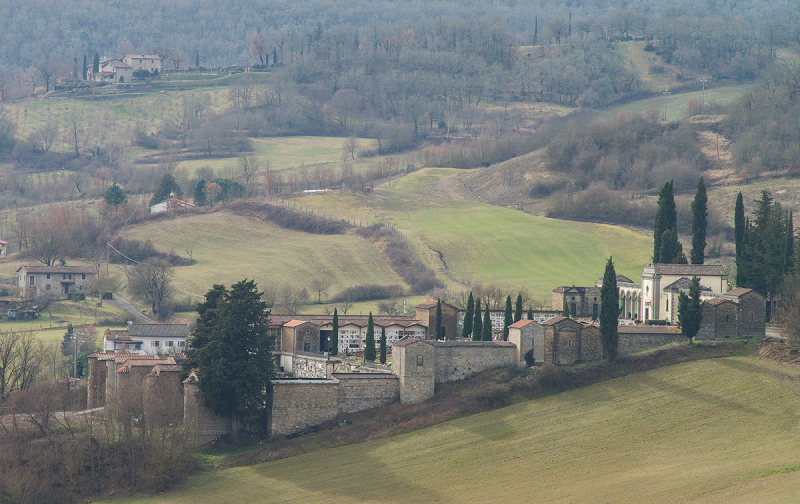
(149, 62)
(172, 203)
(147, 339)
(3, 248)
(112, 70)
(35, 281)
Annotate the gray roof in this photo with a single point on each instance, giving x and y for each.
(690, 269)
(57, 269)
(683, 284)
(159, 330)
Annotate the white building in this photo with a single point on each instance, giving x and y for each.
(148, 339)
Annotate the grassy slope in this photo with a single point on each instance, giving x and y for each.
(230, 248)
(486, 243)
(721, 430)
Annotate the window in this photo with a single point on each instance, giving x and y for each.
(47, 287)
(83, 276)
(168, 343)
(48, 276)
(31, 280)
(181, 343)
(420, 361)
(64, 276)
(306, 345)
(154, 343)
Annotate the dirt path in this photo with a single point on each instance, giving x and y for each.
(124, 304)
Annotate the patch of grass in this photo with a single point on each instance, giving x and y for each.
(229, 248)
(715, 431)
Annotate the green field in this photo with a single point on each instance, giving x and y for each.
(712, 431)
(229, 248)
(487, 243)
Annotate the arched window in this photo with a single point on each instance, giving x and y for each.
(420, 361)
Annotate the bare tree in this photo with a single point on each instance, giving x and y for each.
(350, 147)
(49, 70)
(45, 136)
(151, 282)
(248, 167)
(291, 298)
(50, 236)
(190, 245)
(74, 130)
(21, 362)
(212, 190)
(320, 284)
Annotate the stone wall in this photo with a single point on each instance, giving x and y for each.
(201, 425)
(567, 344)
(456, 360)
(413, 363)
(720, 320)
(591, 346)
(97, 383)
(629, 343)
(362, 391)
(752, 315)
(299, 404)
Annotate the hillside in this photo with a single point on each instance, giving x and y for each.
(715, 431)
(228, 248)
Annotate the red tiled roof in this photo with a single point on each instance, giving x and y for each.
(738, 291)
(294, 323)
(520, 324)
(719, 301)
(555, 320)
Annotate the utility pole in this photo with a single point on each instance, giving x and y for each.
(703, 106)
(666, 92)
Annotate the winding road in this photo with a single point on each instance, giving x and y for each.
(135, 315)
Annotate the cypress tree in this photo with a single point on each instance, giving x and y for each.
(690, 311)
(369, 350)
(609, 311)
(96, 63)
(518, 309)
(477, 325)
(671, 249)
(383, 345)
(197, 58)
(699, 223)
(468, 316)
(200, 193)
(535, 29)
(85, 68)
(438, 327)
(739, 225)
(508, 318)
(530, 313)
(486, 330)
(335, 333)
(788, 250)
(666, 218)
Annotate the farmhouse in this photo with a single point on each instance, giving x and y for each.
(169, 204)
(147, 339)
(35, 281)
(149, 62)
(111, 70)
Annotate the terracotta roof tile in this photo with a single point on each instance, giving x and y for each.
(738, 292)
(522, 323)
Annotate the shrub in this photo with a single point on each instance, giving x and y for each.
(368, 293)
(529, 357)
(655, 322)
(288, 218)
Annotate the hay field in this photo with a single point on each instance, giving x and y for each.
(710, 431)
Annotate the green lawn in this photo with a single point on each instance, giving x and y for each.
(229, 248)
(711, 431)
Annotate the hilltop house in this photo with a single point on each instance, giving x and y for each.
(149, 62)
(147, 339)
(111, 70)
(35, 281)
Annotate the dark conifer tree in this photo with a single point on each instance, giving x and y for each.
(369, 348)
(96, 63)
(518, 309)
(739, 232)
(699, 223)
(85, 68)
(690, 311)
(671, 249)
(335, 333)
(438, 327)
(666, 218)
(508, 318)
(383, 346)
(486, 331)
(477, 325)
(200, 193)
(530, 313)
(468, 317)
(788, 249)
(197, 58)
(609, 312)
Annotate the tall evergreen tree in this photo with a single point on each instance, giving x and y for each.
(438, 327)
(486, 330)
(369, 349)
(200, 193)
(666, 218)
(477, 325)
(671, 249)
(690, 311)
(335, 333)
(197, 58)
(166, 186)
(508, 318)
(466, 330)
(609, 311)
(234, 356)
(788, 248)
(96, 63)
(530, 313)
(85, 68)
(518, 309)
(739, 232)
(383, 346)
(699, 223)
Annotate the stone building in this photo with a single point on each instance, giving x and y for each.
(581, 302)
(147, 339)
(720, 317)
(752, 312)
(149, 62)
(426, 313)
(658, 304)
(522, 335)
(35, 281)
